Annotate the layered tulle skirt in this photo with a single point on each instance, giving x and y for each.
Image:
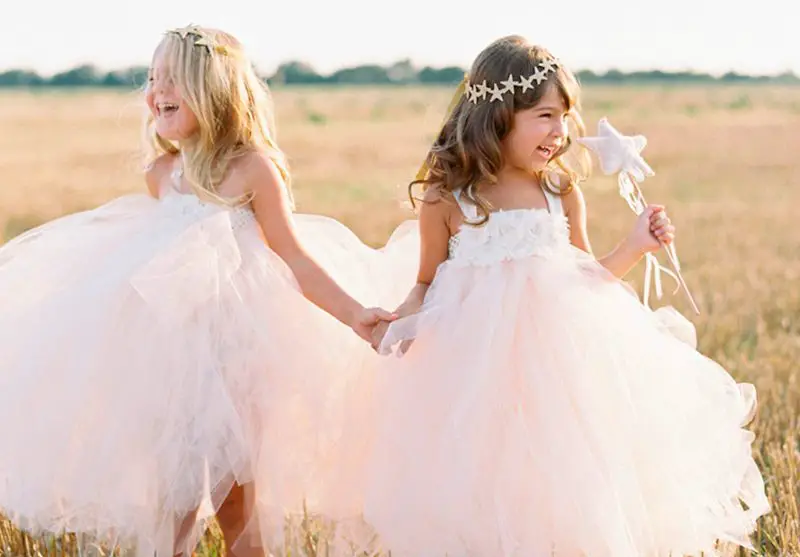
(154, 353)
(541, 409)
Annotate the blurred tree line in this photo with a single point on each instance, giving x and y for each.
(399, 73)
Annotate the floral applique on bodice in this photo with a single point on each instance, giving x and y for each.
(509, 234)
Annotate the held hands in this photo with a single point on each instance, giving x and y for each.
(367, 320)
(653, 230)
(411, 306)
(378, 333)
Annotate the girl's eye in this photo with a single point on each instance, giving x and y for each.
(548, 115)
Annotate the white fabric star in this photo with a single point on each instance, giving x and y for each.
(526, 83)
(472, 93)
(549, 65)
(481, 89)
(539, 76)
(617, 152)
(509, 84)
(206, 42)
(183, 32)
(497, 93)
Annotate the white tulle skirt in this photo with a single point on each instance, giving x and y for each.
(543, 410)
(154, 353)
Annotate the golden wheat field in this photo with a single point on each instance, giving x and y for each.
(725, 162)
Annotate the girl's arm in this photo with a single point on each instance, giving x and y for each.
(273, 213)
(434, 231)
(652, 225)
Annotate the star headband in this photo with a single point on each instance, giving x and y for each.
(496, 92)
(201, 38)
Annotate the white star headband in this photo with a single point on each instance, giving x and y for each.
(201, 38)
(621, 154)
(495, 92)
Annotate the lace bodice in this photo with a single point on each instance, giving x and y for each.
(509, 234)
(191, 205)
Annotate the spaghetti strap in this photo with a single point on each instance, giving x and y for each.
(469, 211)
(554, 202)
(553, 199)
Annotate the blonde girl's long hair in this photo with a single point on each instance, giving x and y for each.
(232, 104)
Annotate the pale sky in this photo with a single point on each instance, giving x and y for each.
(703, 35)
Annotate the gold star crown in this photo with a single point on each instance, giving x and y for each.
(201, 38)
(496, 92)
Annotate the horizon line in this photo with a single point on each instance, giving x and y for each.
(415, 65)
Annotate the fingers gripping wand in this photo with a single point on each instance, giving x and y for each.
(620, 154)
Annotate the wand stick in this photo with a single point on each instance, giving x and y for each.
(621, 155)
(669, 249)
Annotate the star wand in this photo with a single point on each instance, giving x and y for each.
(620, 154)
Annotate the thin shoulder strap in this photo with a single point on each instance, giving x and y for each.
(469, 211)
(553, 199)
(175, 179)
(554, 202)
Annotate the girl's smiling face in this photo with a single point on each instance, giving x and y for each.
(537, 133)
(174, 120)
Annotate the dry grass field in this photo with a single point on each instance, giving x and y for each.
(725, 162)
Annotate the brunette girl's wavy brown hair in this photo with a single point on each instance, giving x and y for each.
(467, 151)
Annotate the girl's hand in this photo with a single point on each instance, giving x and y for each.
(378, 333)
(410, 306)
(652, 230)
(367, 319)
